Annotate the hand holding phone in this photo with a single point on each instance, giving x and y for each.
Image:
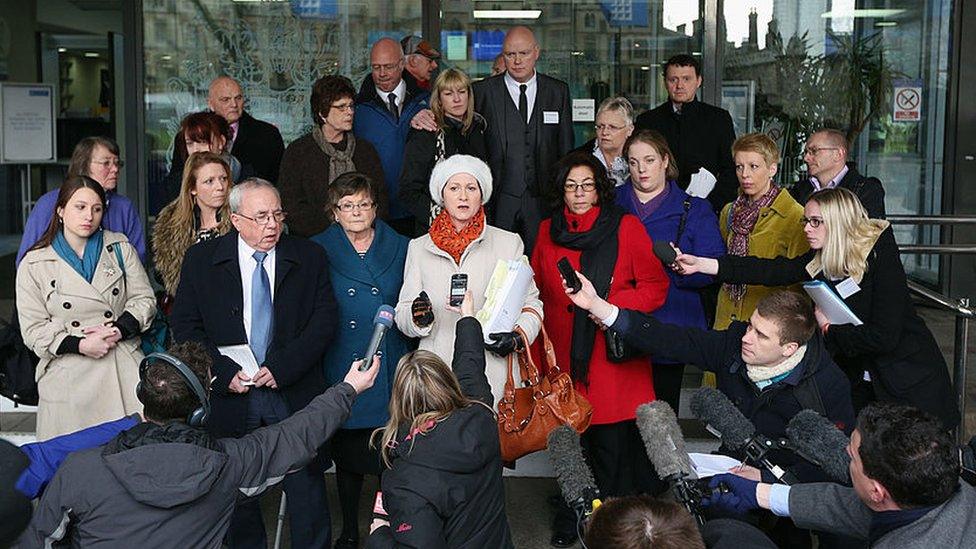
(569, 275)
(459, 285)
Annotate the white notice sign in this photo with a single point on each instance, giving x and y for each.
(27, 123)
(907, 101)
(584, 110)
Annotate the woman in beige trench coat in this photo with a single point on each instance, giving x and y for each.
(82, 314)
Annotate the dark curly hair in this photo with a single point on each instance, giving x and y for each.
(605, 191)
(909, 452)
(326, 91)
(165, 394)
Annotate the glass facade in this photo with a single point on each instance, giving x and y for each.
(875, 68)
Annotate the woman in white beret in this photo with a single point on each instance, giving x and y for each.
(460, 241)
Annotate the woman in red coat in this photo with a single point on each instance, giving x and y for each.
(601, 241)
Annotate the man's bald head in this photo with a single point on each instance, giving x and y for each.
(226, 98)
(386, 63)
(521, 51)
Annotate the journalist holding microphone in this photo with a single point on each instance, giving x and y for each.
(366, 261)
(892, 355)
(444, 485)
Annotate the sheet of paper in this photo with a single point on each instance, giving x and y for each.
(702, 183)
(505, 296)
(707, 465)
(242, 355)
(830, 304)
(457, 47)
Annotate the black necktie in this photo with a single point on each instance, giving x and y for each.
(393, 106)
(523, 104)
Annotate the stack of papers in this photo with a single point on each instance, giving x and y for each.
(505, 296)
(830, 304)
(242, 355)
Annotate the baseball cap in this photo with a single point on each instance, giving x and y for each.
(415, 44)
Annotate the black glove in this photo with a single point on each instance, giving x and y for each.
(422, 310)
(503, 343)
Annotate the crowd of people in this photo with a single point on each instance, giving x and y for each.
(270, 262)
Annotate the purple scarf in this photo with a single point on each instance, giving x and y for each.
(742, 220)
(644, 210)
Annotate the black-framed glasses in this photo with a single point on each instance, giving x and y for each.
(264, 218)
(814, 222)
(347, 207)
(814, 151)
(572, 187)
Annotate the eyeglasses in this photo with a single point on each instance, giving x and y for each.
(572, 187)
(345, 107)
(111, 161)
(513, 55)
(264, 218)
(609, 127)
(347, 207)
(814, 222)
(814, 151)
(387, 67)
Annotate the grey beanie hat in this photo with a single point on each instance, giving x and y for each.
(453, 165)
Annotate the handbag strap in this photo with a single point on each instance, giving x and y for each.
(547, 347)
(682, 221)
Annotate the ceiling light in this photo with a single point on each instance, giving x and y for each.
(645, 68)
(91, 54)
(166, 57)
(866, 13)
(886, 24)
(507, 14)
(62, 50)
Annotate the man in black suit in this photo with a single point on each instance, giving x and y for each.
(268, 294)
(530, 127)
(700, 135)
(254, 142)
(827, 166)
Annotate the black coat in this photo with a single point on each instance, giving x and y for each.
(208, 309)
(868, 190)
(816, 382)
(445, 487)
(553, 140)
(419, 160)
(259, 145)
(701, 137)
(893, 344)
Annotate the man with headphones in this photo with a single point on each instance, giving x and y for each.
(167, 482)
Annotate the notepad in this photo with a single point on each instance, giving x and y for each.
(830, 304)
(242, 355)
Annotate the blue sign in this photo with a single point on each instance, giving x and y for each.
(486, 45)
(315, 9)
(625, 13)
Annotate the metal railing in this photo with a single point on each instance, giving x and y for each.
(959, 307)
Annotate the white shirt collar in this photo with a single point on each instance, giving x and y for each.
(246, 253)
(513, 83)
(400, 91)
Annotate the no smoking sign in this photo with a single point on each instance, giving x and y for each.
(907, 101)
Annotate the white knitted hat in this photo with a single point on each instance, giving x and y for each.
(453, 165)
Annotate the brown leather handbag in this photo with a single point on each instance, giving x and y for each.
(527, 414)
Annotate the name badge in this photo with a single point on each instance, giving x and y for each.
(550, 117)
(847, 288)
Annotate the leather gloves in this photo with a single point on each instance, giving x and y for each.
(422, 310)
(740, 500)
(503, 343)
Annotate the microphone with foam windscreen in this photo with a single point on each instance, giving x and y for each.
(573, 475)
(817, 440)
(381, 323)
(723, 419)
(664, 251)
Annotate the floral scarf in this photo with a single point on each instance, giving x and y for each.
(447, 238)
(742, 220)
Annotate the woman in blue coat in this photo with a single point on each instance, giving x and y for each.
(366, 259)
(670, 215)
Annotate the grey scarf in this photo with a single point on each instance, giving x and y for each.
(340, 161)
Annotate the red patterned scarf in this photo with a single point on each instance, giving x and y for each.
(742, 220)
(447, 238)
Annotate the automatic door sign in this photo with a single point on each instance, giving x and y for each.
(907, 101)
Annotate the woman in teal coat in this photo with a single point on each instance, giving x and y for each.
(366, 259)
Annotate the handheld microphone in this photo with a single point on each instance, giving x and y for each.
(381, 323)
(665, 446)
(663, 250)
(724, 420)
(573, 475)
(820, 442)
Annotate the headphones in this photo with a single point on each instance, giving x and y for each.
(198, 417)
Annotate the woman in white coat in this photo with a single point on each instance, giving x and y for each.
(460, 241)
(81, 312)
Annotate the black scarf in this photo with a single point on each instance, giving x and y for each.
(597, 261)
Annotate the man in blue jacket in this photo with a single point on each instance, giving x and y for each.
(384, 107)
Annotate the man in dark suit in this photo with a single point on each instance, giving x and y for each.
(530, 127)
(268, 294)
(254, 142)
(700, 135)
(827, 166)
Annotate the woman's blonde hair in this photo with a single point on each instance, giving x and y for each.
(850, 233)
(183, 216)
(425, 392)
(452, 79)
(760, 144)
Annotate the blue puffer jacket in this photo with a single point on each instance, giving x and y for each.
(360, 287)
(375, 123)
(701, 237)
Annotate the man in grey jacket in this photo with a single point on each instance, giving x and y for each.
(164, 483)
(906, 489)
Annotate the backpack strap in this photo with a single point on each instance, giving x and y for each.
(683, 221)
(117, 248)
